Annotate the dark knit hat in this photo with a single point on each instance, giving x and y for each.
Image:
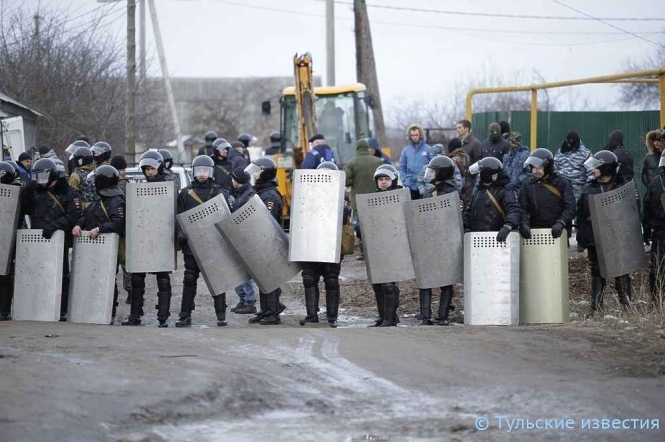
(316, 137)
(24, 156)
(119, 162)
(237, 144)
(240, 176)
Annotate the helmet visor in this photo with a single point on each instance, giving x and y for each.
(202, 172)
(252, 169)
(591, 164)
(534, 161)
(149, 162)
(661, 163)
(430, 174)
(474, 169)
(41, 177)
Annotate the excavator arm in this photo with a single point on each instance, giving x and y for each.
(305, 98)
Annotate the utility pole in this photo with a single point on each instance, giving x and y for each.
(330, 42)
(142, 65)
(36, 19)
(366, 67)
(130, 129)
(165, 75)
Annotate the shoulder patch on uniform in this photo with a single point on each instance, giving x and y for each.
(270, 205)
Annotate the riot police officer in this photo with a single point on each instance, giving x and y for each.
(10, 177)
(440, 173)
(78, 178)
(208, 149)
(168, 164)
(54, 206)
(275, 144)
(312, 272)
(202, 189)
(386, 294)
(653, 228)
(604, 166)
(223, 167)
(494, 204)
(106, 214)
(264, 173)
(546, 199)
(71, 149)
(102, 153)
(152, 166)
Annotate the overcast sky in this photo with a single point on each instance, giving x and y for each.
(417, 54)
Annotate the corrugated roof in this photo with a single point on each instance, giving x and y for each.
(8, 99)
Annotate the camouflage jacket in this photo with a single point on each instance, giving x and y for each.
(570, 165)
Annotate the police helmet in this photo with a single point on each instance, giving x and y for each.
(245, 139)
(106, 181)
(541, 157)
(168, 158)
(440, 168)
(83, 156)
(489, 169)
(152, 158)
(210, 136)
(7, 173)
(44, 172)
(101, 151)
(605, 161)
(266, 169)
(203, 164)
(329, 165)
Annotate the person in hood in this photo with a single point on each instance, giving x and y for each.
(237, 156)
(275, 144)
(494, 205)
(494, 146)
(604, 167)
(569, 162)
(459, 156)
(24, 164)
(513, 160)
(319, 152)
(655, 142)
(615, 145)
(47, 152)
(505, 130)
(375, 150)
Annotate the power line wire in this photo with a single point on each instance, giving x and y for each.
(495, 15)
(601, 20)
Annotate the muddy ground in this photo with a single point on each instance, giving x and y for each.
(76, 382)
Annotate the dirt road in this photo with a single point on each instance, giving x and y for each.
(74, 382)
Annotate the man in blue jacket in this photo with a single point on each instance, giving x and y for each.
(375, 149)
(414, 157)
(318, 153)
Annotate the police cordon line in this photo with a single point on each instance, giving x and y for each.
(509, 424)
(500, 242)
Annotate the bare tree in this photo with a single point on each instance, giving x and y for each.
(642, 95)
(73, 75)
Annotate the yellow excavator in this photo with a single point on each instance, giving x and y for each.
(341, 113)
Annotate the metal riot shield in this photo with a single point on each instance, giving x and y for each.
(261, 244)
(544, 279)
(385, 242)
(150, 231)
(491, 279)
(436, 236)
(219, 263)
(94, 266)
(38, 275)
(317, 208)
(9, 216)
(617, 231)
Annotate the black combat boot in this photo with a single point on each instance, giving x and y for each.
(425, 296)
(163, 301)
(64, 298)
(622, 284)
(272, 314)
(136, 308)
(263, 309)
(391, 303)
(185, 318)
(311, 305)
(597, 287)
(220, 309)
(378, 295)
(129, 297)
(444, 305)
(332, 306)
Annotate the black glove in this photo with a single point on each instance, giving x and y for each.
(646, 235)
(525, 231)
(48, 231)
(557, 229)
(503, 233)
(182, 239)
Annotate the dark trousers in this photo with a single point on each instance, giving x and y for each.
(657, 266)
(415, 195)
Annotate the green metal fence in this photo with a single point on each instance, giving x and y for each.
(593, 128)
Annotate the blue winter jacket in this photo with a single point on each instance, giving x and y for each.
(411, 162)
(316, 156)
(513, 164)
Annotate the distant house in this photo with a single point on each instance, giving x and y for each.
(10, 108)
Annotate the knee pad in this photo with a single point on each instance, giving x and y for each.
(332, 283)
(190, 278)
(138, 280)
(308, 279)
(163, 282)
(389, 288)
